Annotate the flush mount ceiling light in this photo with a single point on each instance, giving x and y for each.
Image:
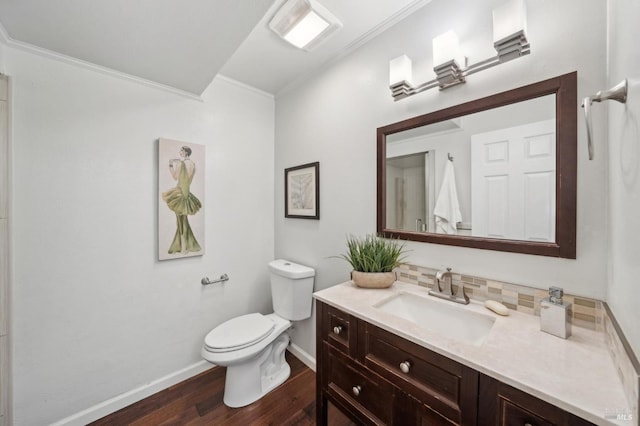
(304, 23)
(509, 40)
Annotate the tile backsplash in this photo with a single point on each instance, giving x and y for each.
(585, 312)
(626, 362)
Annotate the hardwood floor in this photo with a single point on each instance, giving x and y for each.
(198, 401)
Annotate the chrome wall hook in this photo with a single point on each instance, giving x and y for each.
(616, 93)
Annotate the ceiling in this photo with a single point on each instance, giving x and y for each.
(184, 44)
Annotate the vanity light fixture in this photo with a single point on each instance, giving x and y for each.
(448, 62)
(304, 23)
(509, 40)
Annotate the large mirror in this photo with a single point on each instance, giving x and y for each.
(497, 173)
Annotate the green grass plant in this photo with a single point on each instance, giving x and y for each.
(373, 254)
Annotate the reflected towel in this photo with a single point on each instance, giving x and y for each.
(447, 211)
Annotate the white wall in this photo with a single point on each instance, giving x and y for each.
(333, 119)
(2, 49)
(5, 337)
(94, 313)
(624, 169)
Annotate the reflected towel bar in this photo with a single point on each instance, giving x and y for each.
(616, 93)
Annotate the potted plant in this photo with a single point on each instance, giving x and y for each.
(373, 260)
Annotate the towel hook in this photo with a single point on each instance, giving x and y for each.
(616, 93)
(449, 156)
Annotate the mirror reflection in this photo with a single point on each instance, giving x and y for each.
(489, 174)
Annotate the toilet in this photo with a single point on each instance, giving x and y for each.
(252, 346)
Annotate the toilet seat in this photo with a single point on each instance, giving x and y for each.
(238, 333)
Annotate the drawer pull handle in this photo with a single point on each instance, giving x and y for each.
(405, 366)
(337, 329)
(356, 390)
(528, 424)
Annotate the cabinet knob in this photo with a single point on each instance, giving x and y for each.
(406, 366)
(337, 329)
(356, 390)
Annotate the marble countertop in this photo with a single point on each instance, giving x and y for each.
(577, 374)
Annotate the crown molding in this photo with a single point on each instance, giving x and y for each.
(383, 26)
(50, 54)
(4, 35)
(244, 86)
(365, 38)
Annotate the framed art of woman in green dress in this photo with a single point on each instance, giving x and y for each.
(183, 203)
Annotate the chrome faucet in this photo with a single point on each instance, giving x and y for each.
(444, 288)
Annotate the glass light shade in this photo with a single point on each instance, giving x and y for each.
(400, 70)
(446, 48)
(304, 23)
(509, 19)
(306, 30)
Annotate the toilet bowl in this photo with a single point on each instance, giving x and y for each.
(252, 346)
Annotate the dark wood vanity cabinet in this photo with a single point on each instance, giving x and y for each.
(376, 377)
(503, 405)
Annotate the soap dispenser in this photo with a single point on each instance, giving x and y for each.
(555, 314)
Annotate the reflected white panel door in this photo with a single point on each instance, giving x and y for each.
(414, 199)
(513, 182)
(430, 192)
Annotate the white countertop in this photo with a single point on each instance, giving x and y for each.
(577, 374)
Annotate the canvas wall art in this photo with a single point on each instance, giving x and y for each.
(181, 175)
(302, 191)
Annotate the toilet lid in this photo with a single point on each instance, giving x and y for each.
(239, 332)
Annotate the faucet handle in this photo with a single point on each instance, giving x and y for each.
(461, 294)
(447, 286)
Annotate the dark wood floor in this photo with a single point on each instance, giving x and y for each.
(198, 401)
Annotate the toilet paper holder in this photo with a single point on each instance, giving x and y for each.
(207, 281)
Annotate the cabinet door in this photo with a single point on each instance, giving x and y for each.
(503, 405)
(445, 388)
(339, 330)
(411, 411)
(364, 395)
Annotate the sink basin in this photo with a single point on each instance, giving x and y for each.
(441, 317)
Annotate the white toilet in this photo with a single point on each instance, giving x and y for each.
(252, 346)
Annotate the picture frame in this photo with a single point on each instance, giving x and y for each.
(302, 191)
(181, 167)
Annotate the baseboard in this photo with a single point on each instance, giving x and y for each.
(123, 400)
(303, 356)
(114, 404)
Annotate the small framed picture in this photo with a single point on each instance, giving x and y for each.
(302, 191)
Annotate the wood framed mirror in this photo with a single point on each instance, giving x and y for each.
(514, 162)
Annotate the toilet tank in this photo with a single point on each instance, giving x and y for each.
(291, 289)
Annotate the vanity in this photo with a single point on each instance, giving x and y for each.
(378, 365)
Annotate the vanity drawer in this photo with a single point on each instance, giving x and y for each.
(503, 405)
(512, 414)
(444, 386)
(367, 397)
(340, 330)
